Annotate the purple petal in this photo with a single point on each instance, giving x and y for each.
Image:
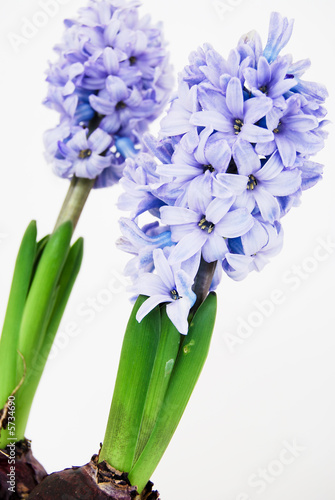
(117, 88)
(254, 134)
(218, 208)
(111, 123)
(265, 148)
(211, 119)
(179, 171)
(211, 100)
(246, 159)
(188, 246)
(99, 163)
(271, 168)
(163, 269)
(256, 108)
(232, 183)
(282, 87)
(215, 248)
(285, 183)
(218, 154)
(255, 239)
(102, 106)
(149, 305)
(111, 30)
(287, 150)
(66, 151)
(151, 284)
(181, 156)
(111, 61)
(178, 215)
(235, 98)
(263, 71)
(267, 204)
(235, 223)
(250, 75)
(301, 123)
(178, 312)
(184, 284)
(202, 147)
(99, 141)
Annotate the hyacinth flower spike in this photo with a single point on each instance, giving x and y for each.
(232, 159)
(88, 147)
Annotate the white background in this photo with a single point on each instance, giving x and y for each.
(274, 387)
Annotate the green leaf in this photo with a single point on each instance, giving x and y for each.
(16, 302)
(41, 295)
(167, 352)
(136, 363)
(65, 284)
(191, 358)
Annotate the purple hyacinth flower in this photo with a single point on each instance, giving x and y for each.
(232, 115)
(119, 105)
(138, 177)
(212, 155)
(292, 131)
(204, 226)
(141, 243)
(237, 266)
(253, 249)
(170, 285)
(263, 181)
(269, 79)
(177, 121)
(83, 156)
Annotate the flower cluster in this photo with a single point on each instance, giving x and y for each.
(111, 79)
(233, 158)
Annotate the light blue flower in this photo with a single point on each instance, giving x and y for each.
(265, 180)
(141, 243)
(204, 226)
(170, 285)
(83, 155)
(292, 132)
(271, 80)
(232, 115)
(139, 176)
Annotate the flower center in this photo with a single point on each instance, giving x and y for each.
(132, 60)
(277, 129)
(208, 167)
(238, 124)
(252, 182)
(175, 295)
(263, 89)
(120, 105)
(205, 225)
(84, 153)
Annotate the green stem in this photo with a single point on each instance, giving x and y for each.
(74, 201)
(202, 282)
(134, 373)
(190, 361)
